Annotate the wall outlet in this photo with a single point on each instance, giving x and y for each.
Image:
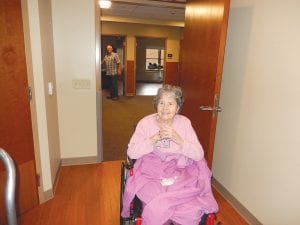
(81, 84)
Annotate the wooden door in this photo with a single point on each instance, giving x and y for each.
(15, 120)
(202, 63)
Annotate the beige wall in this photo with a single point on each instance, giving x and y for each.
(173, 47)
(131, 30)
(40, 67)
(75, 57)
(257, 142)
(49, 80)
(64, 123)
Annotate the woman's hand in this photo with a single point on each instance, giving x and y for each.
(156, 137)
(167, 131)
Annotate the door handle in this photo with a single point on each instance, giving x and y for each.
(215, 109)
(206, 108)
(209, 108)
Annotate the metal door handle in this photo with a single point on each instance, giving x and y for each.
(215, 109)
(209, 108)
(206, 108)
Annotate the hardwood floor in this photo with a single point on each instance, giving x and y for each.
(90, 195)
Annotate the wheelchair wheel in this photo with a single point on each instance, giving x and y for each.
(122, 188)
(135, 208)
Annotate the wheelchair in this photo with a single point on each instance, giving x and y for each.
(135, 217)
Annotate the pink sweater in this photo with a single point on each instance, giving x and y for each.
(140, 144)
(171, 180)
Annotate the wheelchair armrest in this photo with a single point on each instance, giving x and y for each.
(129, 163)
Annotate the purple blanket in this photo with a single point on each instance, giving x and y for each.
(181, 194)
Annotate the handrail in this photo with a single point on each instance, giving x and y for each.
(10, 187)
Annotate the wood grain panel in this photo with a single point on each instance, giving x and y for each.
(26, 190)
(3, 219)
(130, 78)
(172, 73)
(15, 120)
(202, 62)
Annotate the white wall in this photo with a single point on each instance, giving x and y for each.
(75, 54)
(257, 142)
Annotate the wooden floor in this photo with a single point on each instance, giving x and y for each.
(90, 195)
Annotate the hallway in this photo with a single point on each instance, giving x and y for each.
(120, 117)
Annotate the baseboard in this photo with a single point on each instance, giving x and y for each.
(48, 195)
(249, 217)
(45, 196)
(56, 178)
(79, 161)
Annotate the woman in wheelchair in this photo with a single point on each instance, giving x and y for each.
(170, 175)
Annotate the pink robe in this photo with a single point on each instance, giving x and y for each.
(189, 194)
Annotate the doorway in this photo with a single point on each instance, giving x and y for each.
(120, 117)
(118, 44)
(150, 64)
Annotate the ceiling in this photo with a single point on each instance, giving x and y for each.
(164, 12)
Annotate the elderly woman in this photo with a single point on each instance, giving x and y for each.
(170, 177)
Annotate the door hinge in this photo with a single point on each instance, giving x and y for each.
(38, 180)
(29, 93)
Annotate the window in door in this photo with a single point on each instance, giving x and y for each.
(155, 59)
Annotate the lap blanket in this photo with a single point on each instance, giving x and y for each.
(181, 194)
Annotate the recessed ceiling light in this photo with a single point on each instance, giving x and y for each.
(105, 4)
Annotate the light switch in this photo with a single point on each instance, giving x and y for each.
(50, 88)
(81, 84)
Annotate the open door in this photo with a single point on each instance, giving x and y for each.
(202, 64)
(15, 120)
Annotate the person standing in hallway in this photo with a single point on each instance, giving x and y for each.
(111, 61)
